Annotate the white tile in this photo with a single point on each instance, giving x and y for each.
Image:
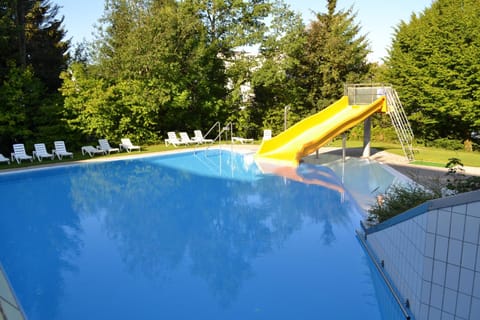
(449, 301)
(429, 245)
(460, 209)
(466, 281)
(475, 309)
(434, 314)
(425, 295)
(452, 277)
(454, 252)
(457, 226)
(436, 296)
(473, 209)
(443, 223)
(476, 286)
(423, 311)
(418, 289)
(477, 266)
(441, 248)
(432, 221)
(447, 316)
(420, 221)
(469, 253)
(472, 228)
(415, 306)
(439, 270)
(463, 306)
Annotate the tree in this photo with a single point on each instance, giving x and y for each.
(434, 62)
(165, 59)
(46, 49)
(32, 55)
(231, 24)
(156, 65)
(335, 53)
(274, 81)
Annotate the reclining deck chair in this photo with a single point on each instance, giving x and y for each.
(19, 153)
(199, 137)
(92, 151)
(173, 139)
(60, 150)
(185, 139)
(41, 152)
(127, 145)
(4, 159)
(105, 146)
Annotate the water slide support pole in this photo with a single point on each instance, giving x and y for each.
(367, 133)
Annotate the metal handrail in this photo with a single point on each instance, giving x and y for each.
(216, 124)
(366, 93)
(221, 130)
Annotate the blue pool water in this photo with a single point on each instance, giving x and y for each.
(199, 235)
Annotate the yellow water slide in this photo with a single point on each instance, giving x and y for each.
(308, 135)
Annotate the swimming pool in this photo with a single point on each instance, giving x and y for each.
(200, 235)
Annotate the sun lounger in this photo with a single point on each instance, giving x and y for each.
(4, 159)
(19, 153)
(60, 150)
(199, 137)
(241, 140)
(91, 151)
(185, 139)
(127, 145)
(173, 139)
(105, 146)
(41, 152)
(267, 134)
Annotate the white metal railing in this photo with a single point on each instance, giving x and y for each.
(366, 93)
(400, 122)
(227, 129)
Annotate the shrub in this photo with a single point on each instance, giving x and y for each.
(449, 144)
(402, 198)
(457, 181)
(398, 200)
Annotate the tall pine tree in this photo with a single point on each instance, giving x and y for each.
(32, 55)
(335, 53)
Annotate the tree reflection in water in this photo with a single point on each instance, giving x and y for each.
(217, 216)
(161, 216)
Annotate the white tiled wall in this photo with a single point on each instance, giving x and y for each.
(434, 261)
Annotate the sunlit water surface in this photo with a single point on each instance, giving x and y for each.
(199, 235)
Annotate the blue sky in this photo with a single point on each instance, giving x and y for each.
(376, 17)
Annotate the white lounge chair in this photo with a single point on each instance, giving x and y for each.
(241, 140)
(127, 145)
(60, 150)
(4, 159)
(41, 152)
(173, 139)
(267, 134)
(199, 137)
(105, 146)
(91, 151)
(185, 139)
(19, 153)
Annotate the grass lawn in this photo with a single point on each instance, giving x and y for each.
(423, 155)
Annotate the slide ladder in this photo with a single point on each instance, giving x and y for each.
(400, 122)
